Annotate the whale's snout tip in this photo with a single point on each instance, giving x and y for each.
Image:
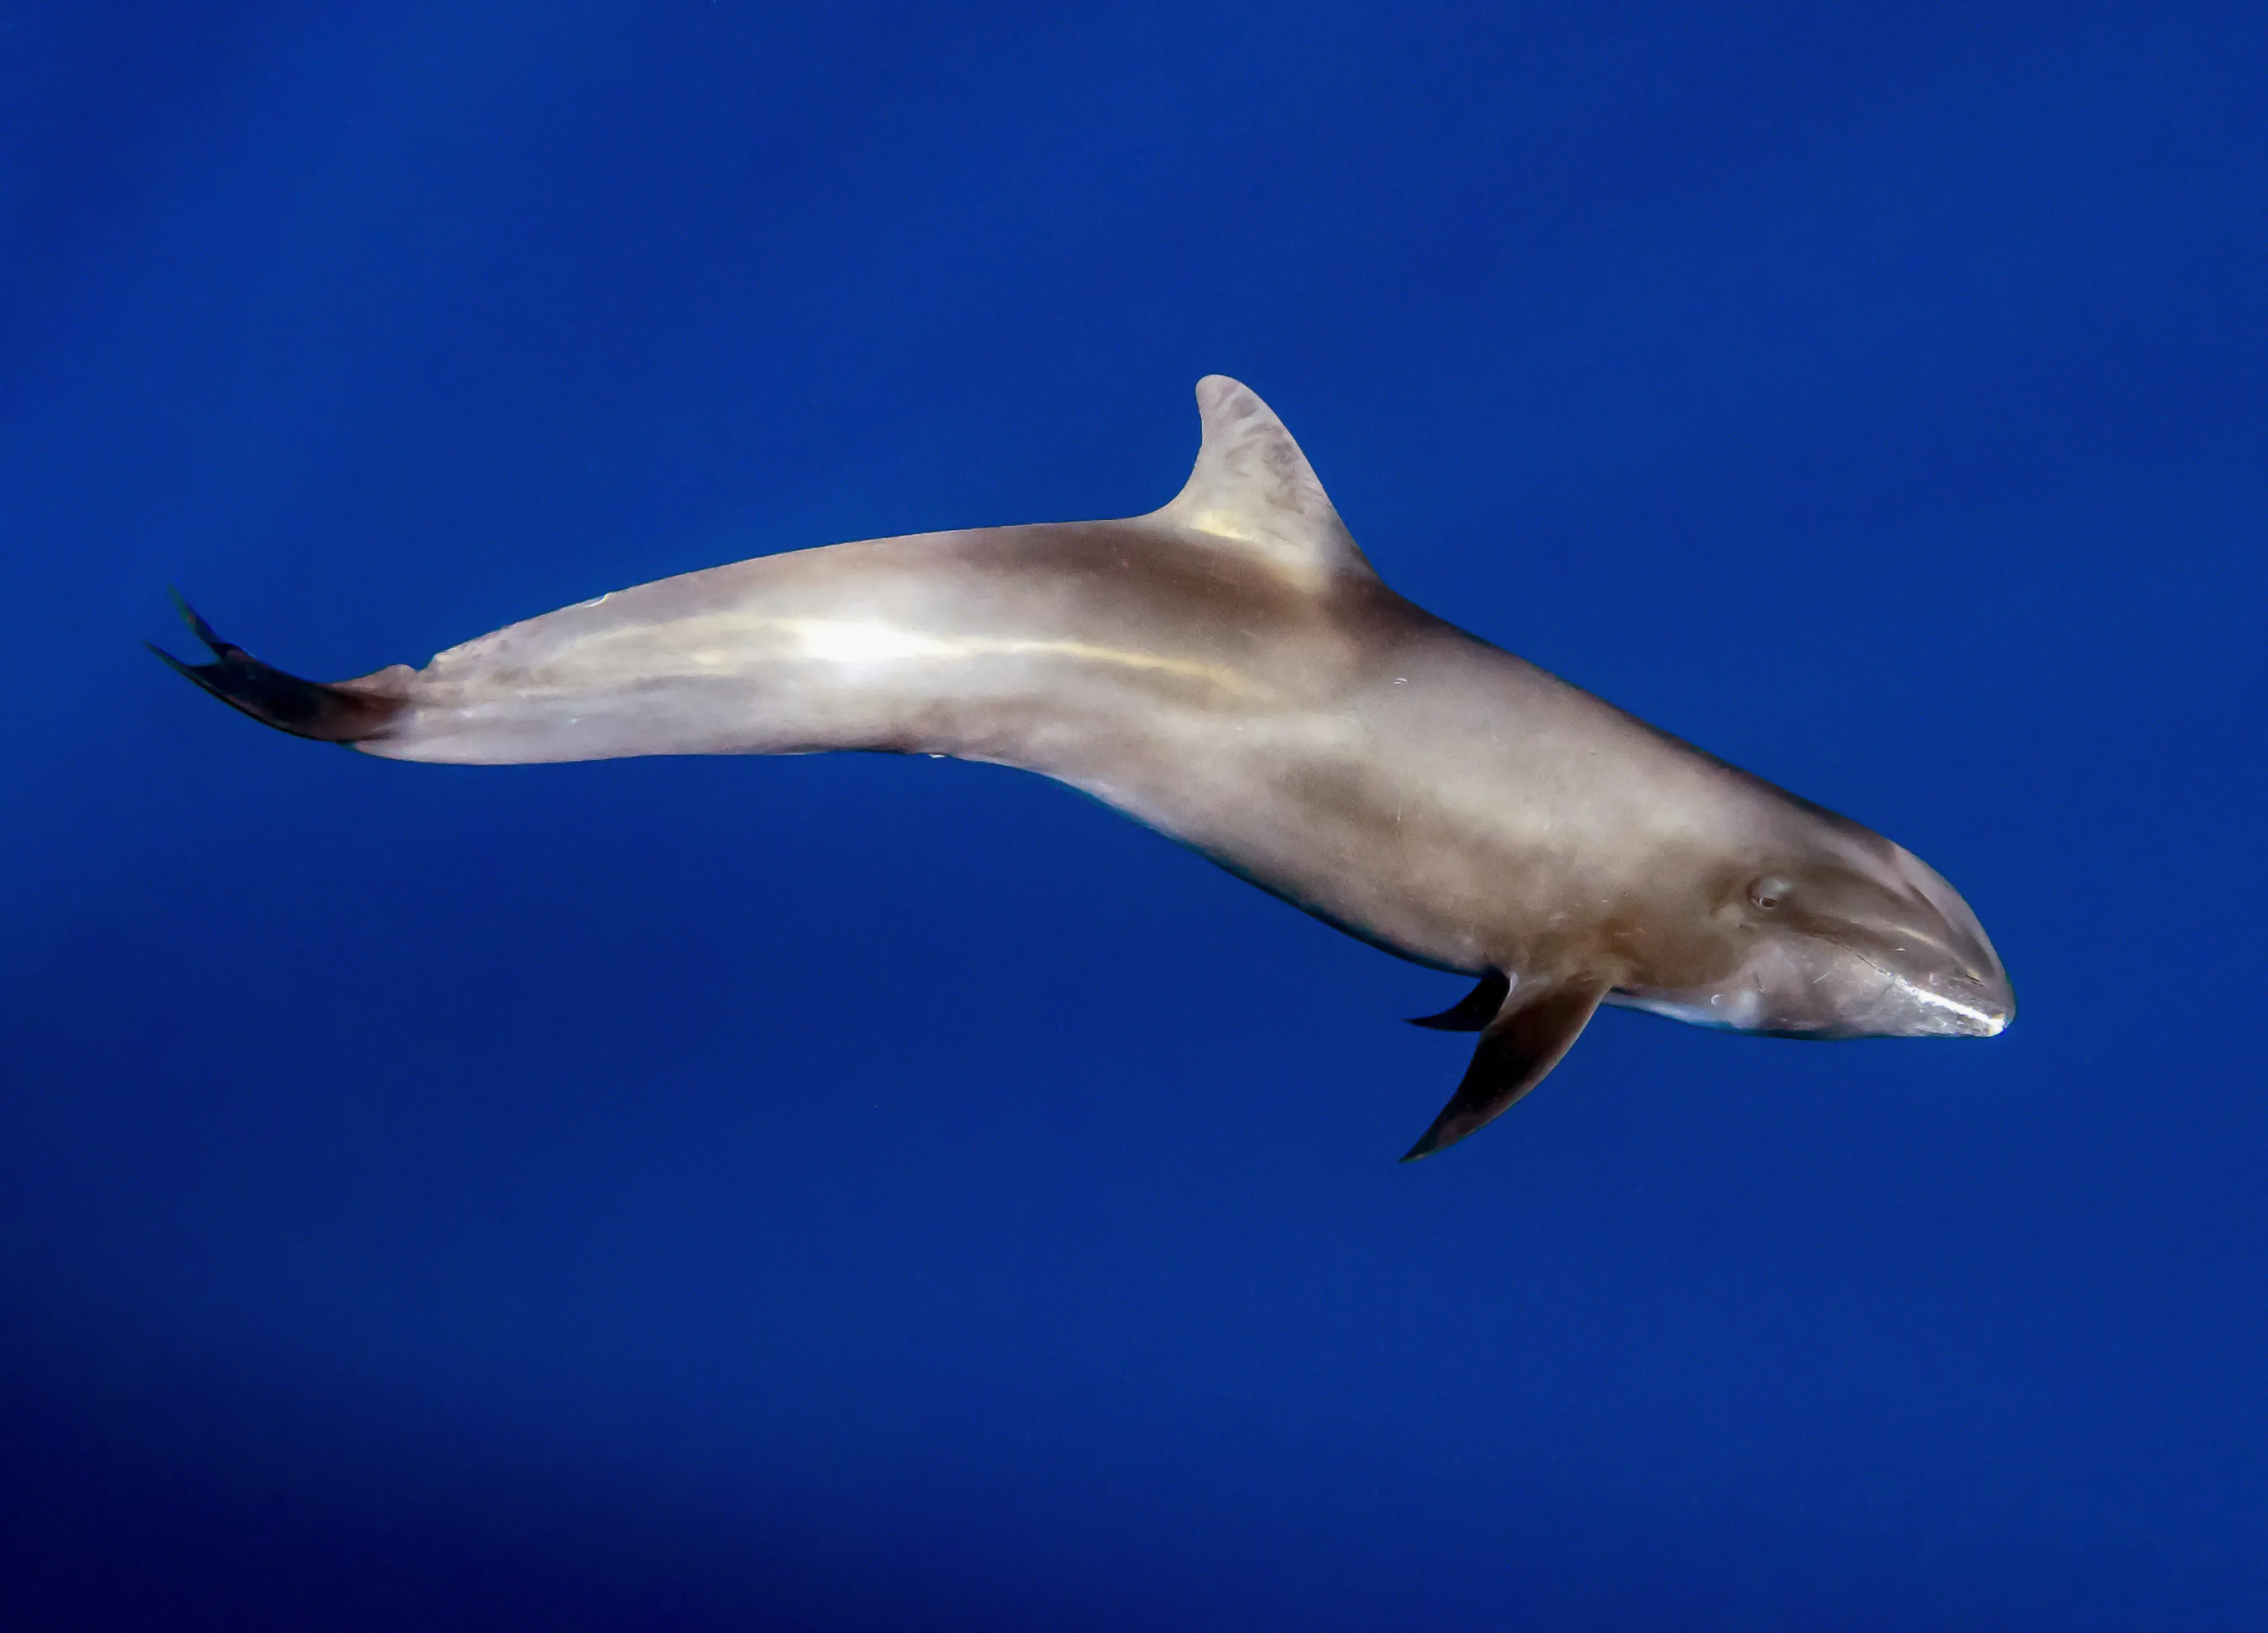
(1968, 1006)
(1999, 1006)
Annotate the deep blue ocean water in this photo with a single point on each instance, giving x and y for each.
(856, 1193)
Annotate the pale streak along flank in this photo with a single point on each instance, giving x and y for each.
(720, 644)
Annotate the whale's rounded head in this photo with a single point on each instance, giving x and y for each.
(1857, 938)
(1829, 930)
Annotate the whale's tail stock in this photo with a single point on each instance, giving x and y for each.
(340, 712)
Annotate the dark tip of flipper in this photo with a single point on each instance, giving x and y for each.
(324, 711)
(1469, 1014)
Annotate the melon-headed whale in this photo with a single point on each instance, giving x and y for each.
(1231, 671)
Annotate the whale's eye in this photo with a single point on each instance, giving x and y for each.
(1768, 892)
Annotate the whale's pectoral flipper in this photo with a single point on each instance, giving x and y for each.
(353, 712)
(1474, 1011)
(1522, 1044)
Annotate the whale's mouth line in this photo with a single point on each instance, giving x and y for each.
(1989, 1024)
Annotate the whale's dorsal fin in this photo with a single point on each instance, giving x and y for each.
(1253, 488)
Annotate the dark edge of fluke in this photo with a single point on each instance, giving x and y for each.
(325, 713)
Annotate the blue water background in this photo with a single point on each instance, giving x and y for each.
(855, 1193)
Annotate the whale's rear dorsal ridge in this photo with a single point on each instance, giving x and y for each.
(1253, 489)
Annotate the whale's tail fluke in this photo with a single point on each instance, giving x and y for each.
(350, 712)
